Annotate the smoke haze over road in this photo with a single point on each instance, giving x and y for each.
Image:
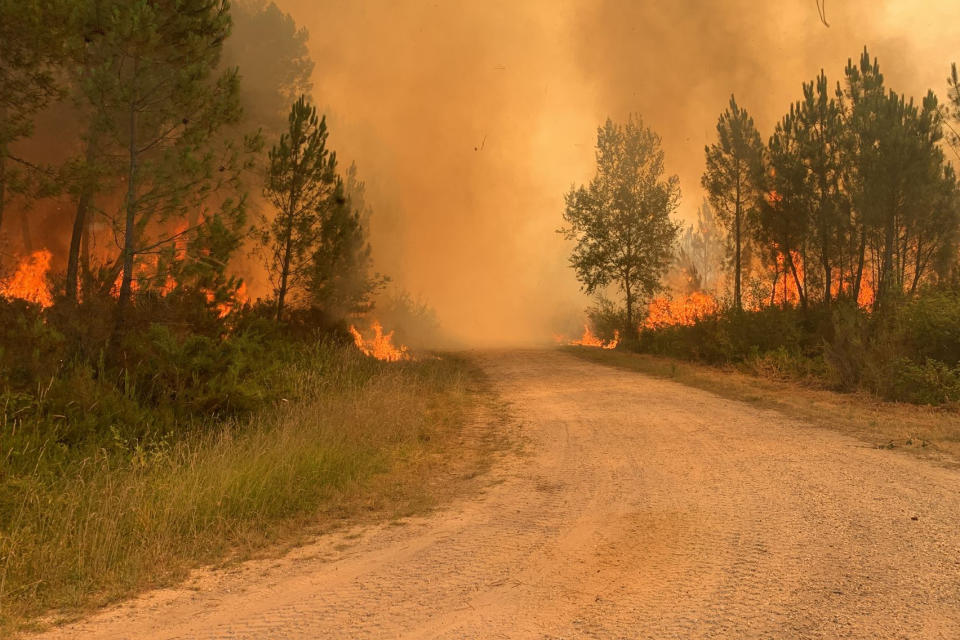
(470, 120)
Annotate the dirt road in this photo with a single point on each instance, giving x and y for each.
(640, 509)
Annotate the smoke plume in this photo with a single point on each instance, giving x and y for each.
(469, 120)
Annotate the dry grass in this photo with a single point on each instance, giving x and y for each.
(928, 431)
(362, 437)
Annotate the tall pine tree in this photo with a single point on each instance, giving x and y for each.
(301, 184)
(733, 180)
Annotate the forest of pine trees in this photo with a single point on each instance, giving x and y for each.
(832, 249)
(150, 166)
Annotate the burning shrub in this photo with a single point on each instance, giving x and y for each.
(684, 310)
(609, 324)
(909, 351)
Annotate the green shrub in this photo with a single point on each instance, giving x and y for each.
(931, 327)
(932, 382)
(909, 351)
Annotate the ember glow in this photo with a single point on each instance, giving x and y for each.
(30, 280)
(685, 310)
(588, 339)
(381, 345)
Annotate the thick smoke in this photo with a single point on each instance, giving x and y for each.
(469, 120)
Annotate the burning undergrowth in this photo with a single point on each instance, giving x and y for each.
(380, 345)
(30, 282)
(589, 339)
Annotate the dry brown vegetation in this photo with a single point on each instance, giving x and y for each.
(932, 432)
(357, 440)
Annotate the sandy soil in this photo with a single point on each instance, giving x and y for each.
(640, 509)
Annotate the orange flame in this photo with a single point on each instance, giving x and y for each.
(30, 280)
(787, 292)
(237, 300)
(868, 293)
(381, 346)
(668, 312)
(588, 339)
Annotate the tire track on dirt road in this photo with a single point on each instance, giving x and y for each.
(640, 509)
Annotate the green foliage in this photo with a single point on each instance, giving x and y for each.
(733, 180)
(621, 221)
(607, 320)
(85, 522)
(300, 185)
(900, 185)
(340, 278)
(148, 80)
(931, 326)
(909, 353)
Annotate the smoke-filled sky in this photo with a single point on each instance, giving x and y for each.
(470, 119)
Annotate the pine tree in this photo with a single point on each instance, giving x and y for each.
(621, 220)
(733, 180)
(155, 98)
(341, 278)
(785, 218)
(301, 184)
(900, 185)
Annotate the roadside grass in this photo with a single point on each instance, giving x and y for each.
(932, 432)
(356, 439)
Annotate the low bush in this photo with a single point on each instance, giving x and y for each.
(909, 351)
(124, 461)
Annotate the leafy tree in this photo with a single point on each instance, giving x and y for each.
(621, 219)
(341, 281)
(301, 183)
(157, 103)
(733, 180)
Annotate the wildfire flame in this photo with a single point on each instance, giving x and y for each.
(381, 346)
(786, 292)
(30, 280)
(588, 339)
(668, 312)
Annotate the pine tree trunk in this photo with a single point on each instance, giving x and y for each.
(886, 266)
(858, 278)
(3, 174)
(628, 287)
(827, 267)
(736, 277)
(738, 214)
(78, 236)
(285, 270)
(3, 183)
(126, 281)
(917, 267)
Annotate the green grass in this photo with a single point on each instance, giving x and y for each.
(85, 527)
(932, 432)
